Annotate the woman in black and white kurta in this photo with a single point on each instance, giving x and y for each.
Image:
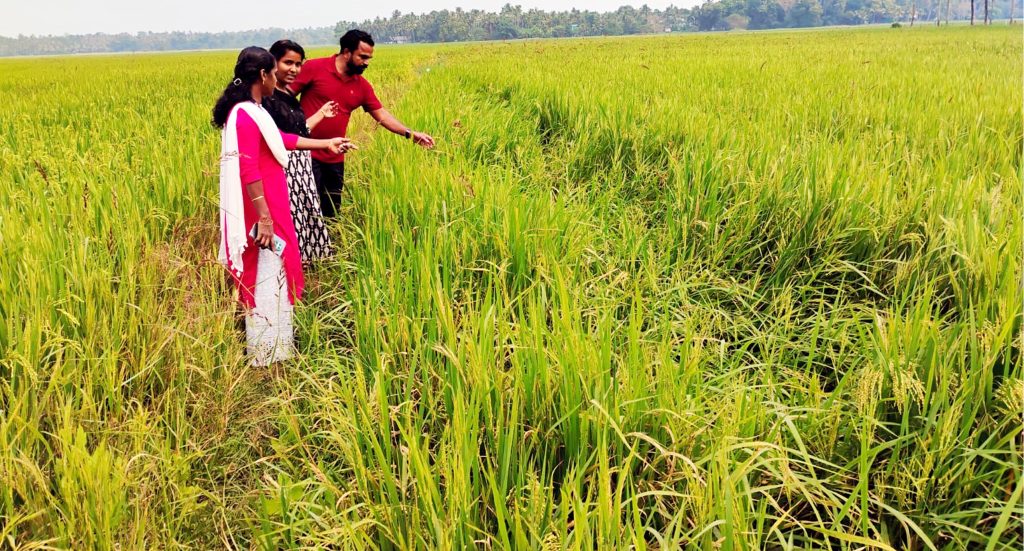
(314, 241)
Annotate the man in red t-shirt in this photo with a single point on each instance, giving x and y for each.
(339, 78)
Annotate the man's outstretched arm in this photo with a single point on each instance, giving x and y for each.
(387, 120)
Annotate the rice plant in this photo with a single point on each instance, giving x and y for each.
(737, 291)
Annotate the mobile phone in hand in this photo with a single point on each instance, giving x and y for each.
(278, 242)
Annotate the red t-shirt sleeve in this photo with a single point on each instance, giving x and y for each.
(248, 148)
(370, 101)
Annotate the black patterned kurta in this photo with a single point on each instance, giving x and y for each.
(314, 241)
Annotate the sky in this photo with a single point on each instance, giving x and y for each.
(42, 17)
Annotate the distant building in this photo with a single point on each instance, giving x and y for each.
(400, 40)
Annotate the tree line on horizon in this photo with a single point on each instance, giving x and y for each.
(513, 22)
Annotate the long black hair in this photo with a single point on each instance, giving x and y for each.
(250, 62)
(283, 46)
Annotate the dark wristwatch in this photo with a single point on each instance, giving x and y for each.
(408, 134)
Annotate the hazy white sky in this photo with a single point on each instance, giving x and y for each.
(112, 16)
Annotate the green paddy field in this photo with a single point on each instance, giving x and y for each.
(726, 291)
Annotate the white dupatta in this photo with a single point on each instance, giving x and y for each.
(233, 233)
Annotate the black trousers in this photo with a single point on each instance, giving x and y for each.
(330, 179)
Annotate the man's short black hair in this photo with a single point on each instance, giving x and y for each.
(350, 41)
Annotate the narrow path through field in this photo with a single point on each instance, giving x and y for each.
(261, 435)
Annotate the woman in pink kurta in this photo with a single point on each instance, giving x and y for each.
(254, 194)
(256, 162)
